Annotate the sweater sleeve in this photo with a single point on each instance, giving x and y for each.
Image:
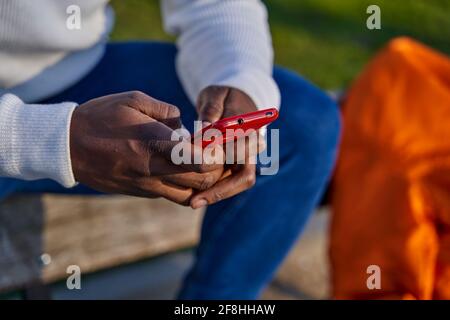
(223, 42)
(34, 140)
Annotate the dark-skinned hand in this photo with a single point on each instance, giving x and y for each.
(215, 103)
(121, 143)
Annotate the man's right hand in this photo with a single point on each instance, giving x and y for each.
(121, 143)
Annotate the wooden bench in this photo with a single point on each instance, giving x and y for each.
(40, 236)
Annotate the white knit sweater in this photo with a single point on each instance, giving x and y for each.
(40, 56)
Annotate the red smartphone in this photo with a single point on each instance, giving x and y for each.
(252, 120)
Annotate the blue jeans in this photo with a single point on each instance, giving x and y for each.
(243, 239)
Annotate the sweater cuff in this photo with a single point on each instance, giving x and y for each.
(34, 140)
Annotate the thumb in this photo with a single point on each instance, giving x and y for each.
(211, 102)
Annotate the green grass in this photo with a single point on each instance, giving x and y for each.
(325, 40)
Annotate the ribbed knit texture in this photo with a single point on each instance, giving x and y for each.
(221, 42)
(34, 140)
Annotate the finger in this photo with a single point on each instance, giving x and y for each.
(171, 153)
(226, 188)
(160, 166)
(154, 187)
(154, 108)
(262, 145)
(228, 172)
(244, 148)
(161, 141)
(210, 103)
(173, 123)
(186, 155)
(198, 181)
(175, 193)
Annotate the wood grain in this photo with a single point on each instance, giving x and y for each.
(94, 233)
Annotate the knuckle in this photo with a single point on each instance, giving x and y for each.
(137, 95)
(206, 182)
(213, 108)
(250, 180)
(162, 147)
(214, 89)
(137, 148)
(211, 112)
(168, 111)
(137, 98)
(217, 196)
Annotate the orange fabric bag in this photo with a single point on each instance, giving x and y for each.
(391, 191)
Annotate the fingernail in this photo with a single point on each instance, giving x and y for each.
(199, 203)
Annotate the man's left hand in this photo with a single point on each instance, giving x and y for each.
(215, 103)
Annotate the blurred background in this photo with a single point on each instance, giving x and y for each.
(324, 40)
(327, 42)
